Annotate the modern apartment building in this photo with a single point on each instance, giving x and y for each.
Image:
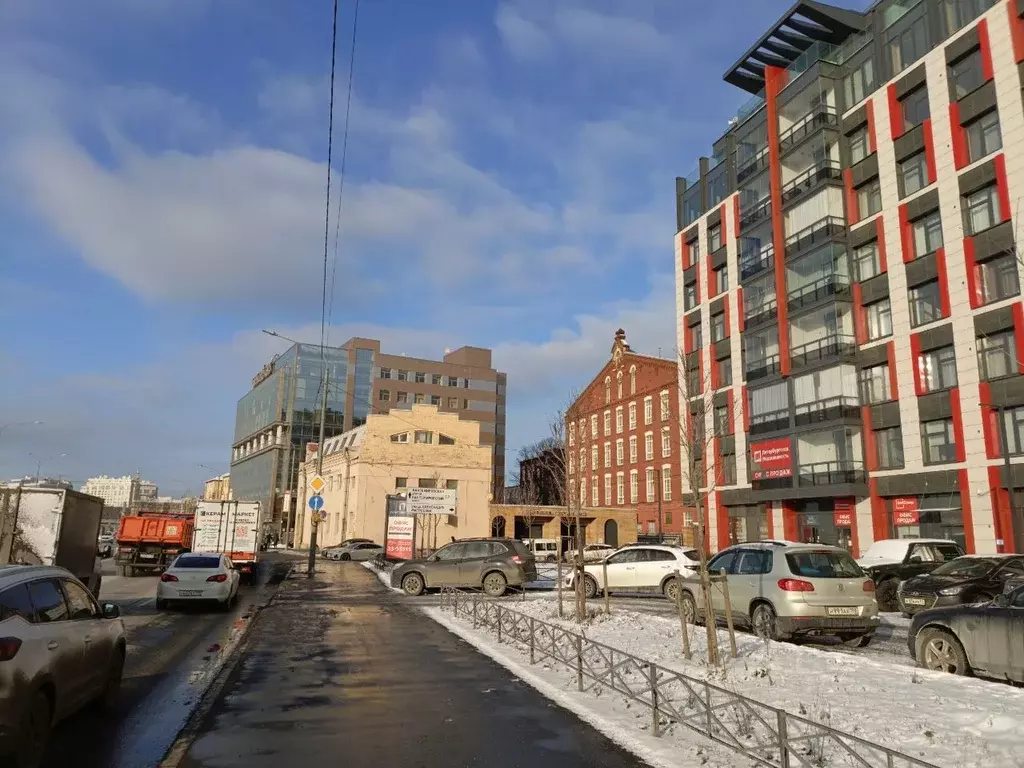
(276, 419)
(847, 269)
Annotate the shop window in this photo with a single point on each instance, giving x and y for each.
(997, 355)
(966, 74)
(998, 279)
(869, 198)
(925, 303)
(983, 136)
(938, 369)
(889, 447)
(874, 384)
(938, 441)
(860, 145)
(912, 174)
(927, 233)
(981, 210)
(865, 261)
(879, 319)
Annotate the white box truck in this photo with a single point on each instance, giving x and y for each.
(52, 526)
(232, 528)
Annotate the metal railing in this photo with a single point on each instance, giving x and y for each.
(769, 422)
(752, 214)
(769, 310)
(828, 285)
(765, 734)
(800, 185)
(752, 165)
(753, 262)
(823, 349)
(819, 232)
(822, 116)
(832, 473)
(829, 409)
(765, 366)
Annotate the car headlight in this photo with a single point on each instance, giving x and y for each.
(950, 591)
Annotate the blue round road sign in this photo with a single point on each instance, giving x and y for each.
(316, 503)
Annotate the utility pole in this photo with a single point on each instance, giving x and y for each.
(344, 506)
(315, 517)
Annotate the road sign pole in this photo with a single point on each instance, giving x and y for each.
(314, 523)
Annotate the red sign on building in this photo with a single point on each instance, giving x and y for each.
(905, 510)
(772, 458)
(843, 514)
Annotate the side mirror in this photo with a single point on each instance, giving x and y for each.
(111, 611)
(1001, 601)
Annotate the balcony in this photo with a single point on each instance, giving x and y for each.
(762, 313)
(830, 347)
(832, 473)
(753, 262)
(761, 367)
(819, 232)
(822, 116)
(752, 165)
(769, 422)
(829, 409)
(800, 185)
(758, 212)
(823, 287)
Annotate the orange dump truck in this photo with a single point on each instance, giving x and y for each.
(150, 542)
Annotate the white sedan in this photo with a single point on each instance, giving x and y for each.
(592, 553)
(199, 576)
(363, 550)
(645, 568)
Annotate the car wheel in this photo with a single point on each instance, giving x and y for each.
(161, 604)
(34, 732)
(112, 688)
(346, 556)
(412, 584)
(670, 589)
(859, 641)
(495, 584)
(590, 587)
(552, 559)
(885, 594)
(765, 622)
(939, 650)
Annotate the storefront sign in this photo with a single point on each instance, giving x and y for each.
(844, 513)
(772, 458)
(905, 510)
(401, 533)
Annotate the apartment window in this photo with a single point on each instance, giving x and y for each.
(583, 460)
(403, 375)
(927, 234)
(693, 382)
(966, 74)
(722, 420)
(648, 410)
(401, 482)
(453, 403)
(465, 405)
(960, 13)
(446, 440)
(648, 445)
(865, 261)
(938, 441)
(595, 498)
(889, 446)
(593, 457)
(913, 174)
(938, 369)
(418, 398)
(424, 438)
(860, 145)
(618, 419)
(632, 449)
(666, 483)
(619, 454)
(925, 303)
(572, 465)
(666, 441)
(632, 380)
(717, 327)
(859, 83)
(914, 107)
(997, 278)
(981, 210)
(690, 296)
(696, 337)
(607, 423)
(427, 482)
(714, 238)
(607, 455)
(618, 379)
(721, 279)
(402, 397)
(634, 486)
(421, 378)
(724, 372)
(879, 319)
(435, 379)
(909, 45)
(593, 425)
(451, 485)
(632, 415)
(401, 437)
(607, 389)
(583, 491)
(607, 490)
(384, 395)
(869, 198)
(983, 136)
(997, 355)
(572, 428)
(649, 476)
(453, 381)
(385, 373)
(874, 384)
(465, 383)
(1013, 418)
(663, 403)
(435, 400)
(620, 490)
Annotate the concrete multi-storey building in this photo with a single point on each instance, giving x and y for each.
(280, 415)
(120, 491)
(621, 437)
(847, 269)
(218, 488)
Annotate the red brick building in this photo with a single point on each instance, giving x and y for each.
(623, 440)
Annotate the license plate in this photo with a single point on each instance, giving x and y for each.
(144, 556)
(190, 592)
(914, 600)
(841, 611)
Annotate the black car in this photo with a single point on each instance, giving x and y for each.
(891, 561)
(969, 579)
(987, 639)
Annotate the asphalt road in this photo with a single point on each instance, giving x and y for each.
(171, 655)
(341, 671)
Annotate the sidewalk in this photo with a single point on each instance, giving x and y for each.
(339, 671)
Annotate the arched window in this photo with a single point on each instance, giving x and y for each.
(619, 381)
(632, 380)
(607, 389)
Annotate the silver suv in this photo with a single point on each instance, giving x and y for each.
(59, 650)
(782, 590)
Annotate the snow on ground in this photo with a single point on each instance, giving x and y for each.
(383, 576)
(947, 720)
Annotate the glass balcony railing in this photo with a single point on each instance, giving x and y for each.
(824, 287)
(759, 211)
(752, 165)
(769, 422)
(820, 231)
(822, 116)
(832, 473)
(828, 409)
(800, 185)
(827, 348)
(762, 313)
(762, 366)
(750, 107)
(753, 262)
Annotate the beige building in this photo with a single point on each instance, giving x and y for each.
(599, 525)
(218, 488)
(420, 447)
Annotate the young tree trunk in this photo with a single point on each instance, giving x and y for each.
(705, 590)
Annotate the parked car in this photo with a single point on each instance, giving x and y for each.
(892, 561)
(982, 638)
(105, 546)
(59, 651)
(968, 579)
(360, 550)
(783, 590)
(592, 553)
(544, 550)
(648, 568)
(493, 564)
(199, 576)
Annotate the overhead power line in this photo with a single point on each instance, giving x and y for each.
(327, 206)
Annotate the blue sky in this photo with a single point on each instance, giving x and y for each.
(162, 165)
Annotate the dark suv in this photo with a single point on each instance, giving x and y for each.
(890, 562)
(491, 564)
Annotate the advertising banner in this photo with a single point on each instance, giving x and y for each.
(844, 513)
(772, 458)
(905, 510)
(401, 534)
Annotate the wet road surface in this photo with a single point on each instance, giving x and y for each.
(167, 666)
(340, 671)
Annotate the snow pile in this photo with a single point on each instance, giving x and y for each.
(940, 718)
(383, 576)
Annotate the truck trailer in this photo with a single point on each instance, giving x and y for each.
(149, 543)
(230, 528)
(52, 526)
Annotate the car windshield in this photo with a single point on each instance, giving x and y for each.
(823, 564)
(966, 567)
(197, 562)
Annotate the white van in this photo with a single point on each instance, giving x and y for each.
(544, 550)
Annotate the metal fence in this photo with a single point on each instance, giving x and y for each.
(760, 732)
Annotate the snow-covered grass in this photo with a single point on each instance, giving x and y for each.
(383, 576)
(940, 718)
